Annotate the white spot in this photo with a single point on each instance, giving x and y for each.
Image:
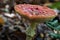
(9, 15)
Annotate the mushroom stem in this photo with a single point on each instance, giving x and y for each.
(30, 31)
(28, 38)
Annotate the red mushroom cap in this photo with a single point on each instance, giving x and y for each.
(35, 12)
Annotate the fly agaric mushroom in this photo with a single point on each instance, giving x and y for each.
(34, 13)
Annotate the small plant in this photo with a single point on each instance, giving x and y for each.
(54, 25)
(55, 5)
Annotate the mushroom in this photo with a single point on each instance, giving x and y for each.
(35, 14)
